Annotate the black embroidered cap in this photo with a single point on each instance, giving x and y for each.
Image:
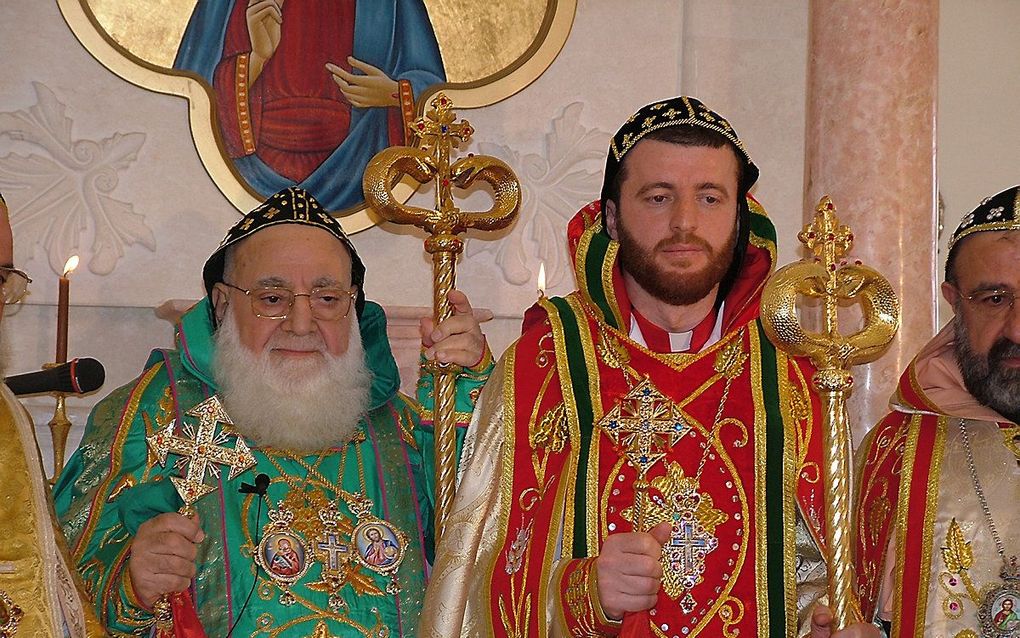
(998, 212)
(292, 205)
(677, 111)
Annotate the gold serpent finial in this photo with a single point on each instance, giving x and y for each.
(438, 133)
(837, 282)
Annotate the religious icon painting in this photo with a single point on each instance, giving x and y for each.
(380, 545)
(282, 555)
(305, 93)
(999, 613)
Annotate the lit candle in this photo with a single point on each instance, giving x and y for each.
(62, 301)
(541, 279)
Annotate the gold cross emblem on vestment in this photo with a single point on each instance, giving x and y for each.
(201, 449)
(641, 422)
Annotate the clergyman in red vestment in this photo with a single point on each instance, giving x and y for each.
(643, 453)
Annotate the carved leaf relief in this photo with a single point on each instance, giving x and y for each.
(554, 184)
(66, 186)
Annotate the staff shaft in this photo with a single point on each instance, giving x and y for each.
(838, 481)
(444, 385)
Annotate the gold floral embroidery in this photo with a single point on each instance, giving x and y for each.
(551, 431)
(958, 557)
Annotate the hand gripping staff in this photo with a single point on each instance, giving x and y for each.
(430, 162)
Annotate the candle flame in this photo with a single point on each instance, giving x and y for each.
(70, 265)
(541, 278)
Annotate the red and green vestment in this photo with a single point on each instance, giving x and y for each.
(554, 453)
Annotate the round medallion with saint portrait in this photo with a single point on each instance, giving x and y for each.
(282, 555)
(380, 546)
(999, 614)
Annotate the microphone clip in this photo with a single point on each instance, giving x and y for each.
(261, 486)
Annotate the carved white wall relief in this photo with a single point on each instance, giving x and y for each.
(66, 185)
(555, 184)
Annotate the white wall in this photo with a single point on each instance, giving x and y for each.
(979, 118)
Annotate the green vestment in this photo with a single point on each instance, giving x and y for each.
(349, 561)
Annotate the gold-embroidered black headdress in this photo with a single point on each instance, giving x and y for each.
(290, 206)
(684, 111)
(998, 212)
(677, 111)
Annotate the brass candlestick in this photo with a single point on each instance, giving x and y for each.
(60, 427)
(830, 278)
(430, 162)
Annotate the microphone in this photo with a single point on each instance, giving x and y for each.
(77, 376)
(261, 486)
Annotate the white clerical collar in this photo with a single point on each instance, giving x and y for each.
(680, 341)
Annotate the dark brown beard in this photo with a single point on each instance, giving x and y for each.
(988, 381)
(667, 287)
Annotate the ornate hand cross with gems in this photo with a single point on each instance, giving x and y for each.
(430, 162)
(641, 423)
(202, 450)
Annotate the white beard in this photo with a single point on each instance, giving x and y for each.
(303, 406)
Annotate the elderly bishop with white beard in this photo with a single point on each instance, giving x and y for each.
(318, 520)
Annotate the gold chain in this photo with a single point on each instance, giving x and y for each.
(312, 471)
(627, 369)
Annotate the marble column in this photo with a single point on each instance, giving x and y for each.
(870, 145)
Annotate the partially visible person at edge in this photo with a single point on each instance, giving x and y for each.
(662, 335)
(303, 368)
(40, 593)
(939, 510)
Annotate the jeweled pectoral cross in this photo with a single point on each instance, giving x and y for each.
(333, 550)
(201, 450)
(641, 424)
(438, 133)
(683, 557)
(687, 544)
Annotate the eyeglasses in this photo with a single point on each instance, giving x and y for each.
(14, 283)
(273, 302)
(992, 303)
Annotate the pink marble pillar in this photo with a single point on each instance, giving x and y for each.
(870, 145)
